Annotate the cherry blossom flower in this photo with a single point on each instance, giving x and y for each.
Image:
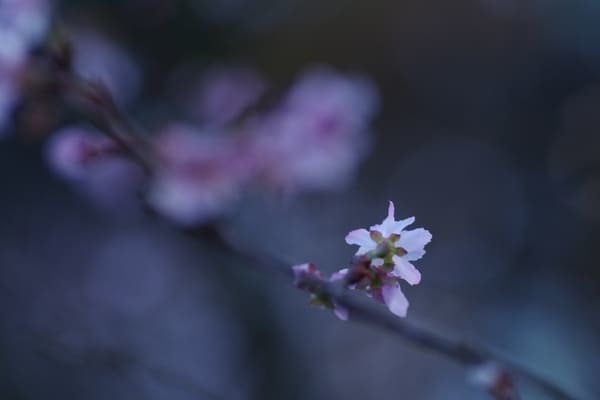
(319, 135)
(72, 150)
(399, 246)
(199, 175)
(96, 165)
(22, 25)
(383, 257)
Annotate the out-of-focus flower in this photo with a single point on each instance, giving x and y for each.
(308, 270)
(71, 150)
(225, 93)
(199, 176)
(22, 24)
(96, 57)
(390, 245)
(96, 166)
(317, 138)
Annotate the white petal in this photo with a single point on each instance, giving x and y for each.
(414, 240)
(405, 270)
(391, 211)
(399, 225)
(389, 226)
(341, 274)
(414, 255)
(365, 249)
(360, 237)
(385, 227)
(395, 299)
(377, 262)
(340, 312)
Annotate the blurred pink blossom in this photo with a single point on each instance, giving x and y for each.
(96, 165)
(73, 149)
(319, 135)
(23, 24)
(225, 93)
(199, 176)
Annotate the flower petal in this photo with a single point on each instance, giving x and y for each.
(341, 274)
(362, 238)
(414, 255)
(340, 312)
(414, 240)
(395, 299)
(403, 223)
(389, 226)
(405, 270)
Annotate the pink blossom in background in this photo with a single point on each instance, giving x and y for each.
(316, 139)
(225, 93)
(72, 150)
(199, 175)
(23, 24)
(96, 165)
(97, 58)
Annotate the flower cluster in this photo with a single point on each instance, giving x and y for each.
(23, 23)
(383, 258)
(312, 140)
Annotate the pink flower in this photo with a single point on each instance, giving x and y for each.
(404, 246)
(199, 176)
(96, 165)
(22, 25)
(72, 150)
(384, 255)
(317, 138)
